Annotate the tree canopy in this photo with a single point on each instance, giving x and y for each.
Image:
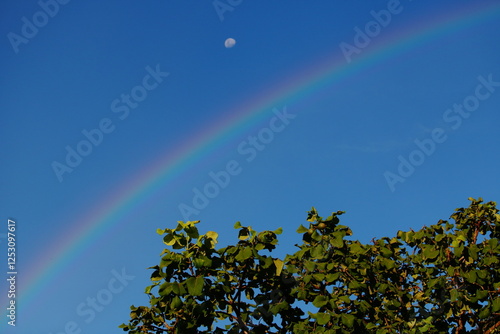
(444, 278)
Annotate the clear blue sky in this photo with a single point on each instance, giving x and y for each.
(347, 138)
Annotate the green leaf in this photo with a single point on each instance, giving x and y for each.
(471, 276)
(454, 295)
(337, 242)
(267, 262)
(458, 251)
(244, 254)
(195, 285)
(178, 288)
(320, 301)
(388, 263)
(156, 276)
(316, 236)
(431, 253)
(202, 262)
(356, 248)
(348, 320)
(495, 306)
(481, 294)
(302, 229)
(244, 233)
(180, 225)
(485, 312)
(312, 215)
(332, 277)
(169, 239)
(386, 251)
(212, 235)
(310, 266)
(279, 266)
(260, 247)
(192, 232)
(165, 288)
(176, 303)
(319, 277)
(322, 318)
(440, 237)
(383, 287)
(489, 260)
(354, 285)
(318, 251)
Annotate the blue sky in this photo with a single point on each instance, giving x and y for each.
(335, 153)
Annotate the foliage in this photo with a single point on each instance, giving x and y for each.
(444, 278)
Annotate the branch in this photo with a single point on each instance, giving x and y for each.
(156, 328)
(235, 303)
(490, 331)
(228, 314)
(461, 324)
(476, 232)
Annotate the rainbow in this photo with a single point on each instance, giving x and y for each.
(170, 165)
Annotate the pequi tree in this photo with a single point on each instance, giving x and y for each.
(444, 278)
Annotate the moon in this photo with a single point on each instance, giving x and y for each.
(229, 43)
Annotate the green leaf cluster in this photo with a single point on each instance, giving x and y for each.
(444, 278)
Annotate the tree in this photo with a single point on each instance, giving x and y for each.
(444, 278)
